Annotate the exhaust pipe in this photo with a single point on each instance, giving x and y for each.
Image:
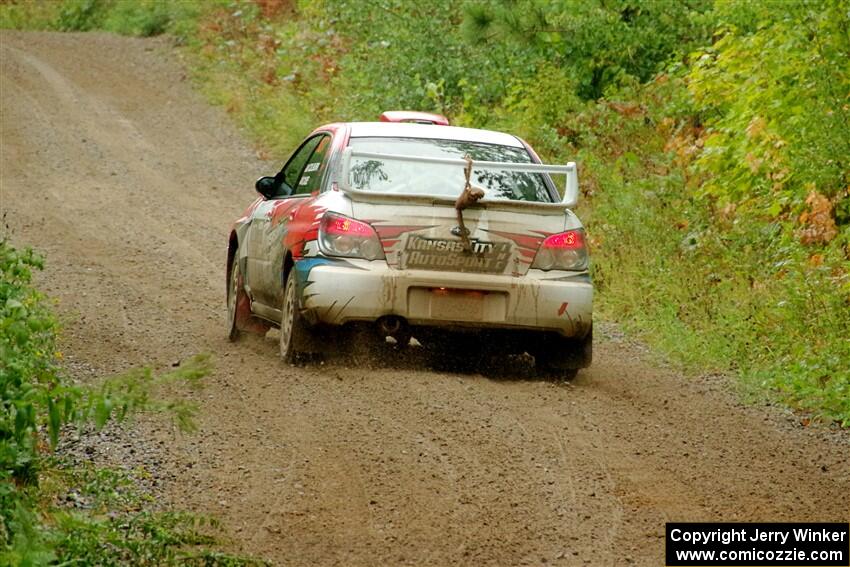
(396, 328)
(391, 325)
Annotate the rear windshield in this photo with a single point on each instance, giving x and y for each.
(393, 176)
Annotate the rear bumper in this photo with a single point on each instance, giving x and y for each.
(336, 292)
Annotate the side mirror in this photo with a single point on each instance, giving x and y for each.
(269, 188)
(266, 186)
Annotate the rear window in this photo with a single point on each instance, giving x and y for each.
(393, 176)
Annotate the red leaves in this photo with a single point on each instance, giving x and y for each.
(272, 8)
(818, 224)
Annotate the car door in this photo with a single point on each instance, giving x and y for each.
(297, 181)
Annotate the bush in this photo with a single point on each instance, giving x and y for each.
(27, 364)
(35, 396)
(138, 18)
(80, 15)
(36, 403)
(601, 44)
(774, 100)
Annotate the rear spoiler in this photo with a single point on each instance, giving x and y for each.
(570, 192)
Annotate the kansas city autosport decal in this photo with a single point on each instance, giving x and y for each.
(440, 253)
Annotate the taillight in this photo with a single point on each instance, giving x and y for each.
(344, 236)
(562, 251)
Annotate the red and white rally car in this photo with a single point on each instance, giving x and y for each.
(415, 227)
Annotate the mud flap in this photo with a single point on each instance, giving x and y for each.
(245, 320)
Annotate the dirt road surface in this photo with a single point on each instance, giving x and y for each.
(128, 181)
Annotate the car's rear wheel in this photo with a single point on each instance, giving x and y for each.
(235, 295)
(295, 335)
(561, 359)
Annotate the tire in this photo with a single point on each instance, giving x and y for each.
(236, 297)
(295, 335)
(561, 359)
(239, 317)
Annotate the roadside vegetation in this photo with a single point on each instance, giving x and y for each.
(713, 140)
(56, 510)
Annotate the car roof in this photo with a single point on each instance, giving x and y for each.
(429, 131)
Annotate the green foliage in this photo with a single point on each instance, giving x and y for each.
(25, 14)
(34, 396)
(390, 62)
(241, 67)
(91, 516)
(27, 369)
(719, 296)
(777, 100)
(37, 402)
(141, 18)
(80, 15)
(770, 178)
(603, 44)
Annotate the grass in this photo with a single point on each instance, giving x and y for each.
(96, 516)
(140, 18)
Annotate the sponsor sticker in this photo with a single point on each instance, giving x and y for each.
(443, 254)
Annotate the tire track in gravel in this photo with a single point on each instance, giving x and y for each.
(113, 166)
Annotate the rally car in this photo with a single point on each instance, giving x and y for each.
(415, 229)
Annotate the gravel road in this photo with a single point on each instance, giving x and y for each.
(114, 167)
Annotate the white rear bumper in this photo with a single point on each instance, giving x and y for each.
(365, 291)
